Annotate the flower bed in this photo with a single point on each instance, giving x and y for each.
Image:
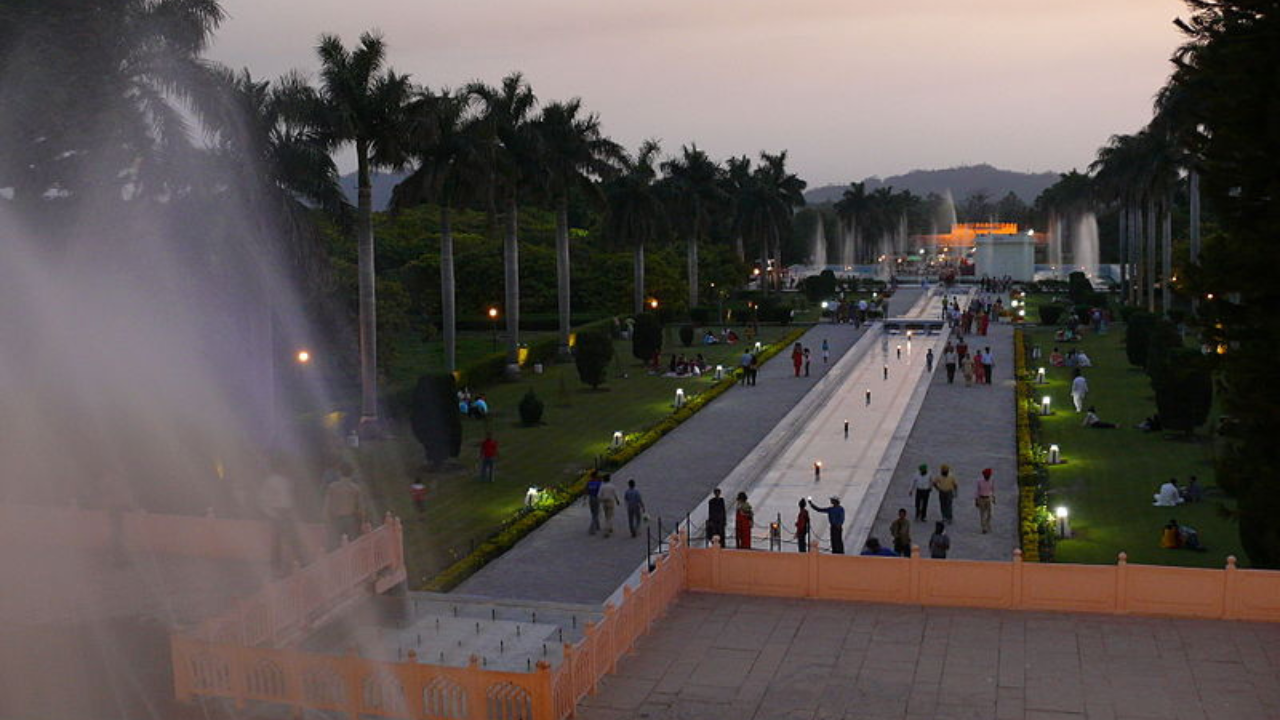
(1034, 520)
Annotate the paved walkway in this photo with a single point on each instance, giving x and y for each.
(560, 562)
(968, 428)
(770, 659)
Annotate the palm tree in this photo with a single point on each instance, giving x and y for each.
(635, 213)
(362, 104)
(693, 189)
(574, 156)
(736, 181)
(780, 193)
(510, 161)
(853, 205)
(443, 141)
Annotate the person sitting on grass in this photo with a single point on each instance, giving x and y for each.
(710, 338)
(1093, 422)
(1056, 359)
(1193, 492)
(1082, 360)
(1168, 496)
(1185, 537)
(1151, 424)
(480, 408)
(1169, 536)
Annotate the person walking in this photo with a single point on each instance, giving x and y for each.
(900, 531)
(928, 361)
(717, 518)
(743, 520)
(966, 369)
(1079, 390)
(635, 507)
(488, 457)
(593, 500)
(806, 362)
(984, 499)
(608, 501)
(988, 364)
(797, 358)
(835, 516)
(745, 363)
(945, 484)
(921, 489)
(802, 528)
(826, 351)
(939, 542)
(344, 507)
(979, 369)
(949, 362)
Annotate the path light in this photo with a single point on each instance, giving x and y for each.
(758, 346)
(1064, 522)
(679, 397)
(1044, 405)
(817, 470)
(886, 374)
(531, 497)
(617, 440)
(1040, 376)
(868, 397)
(846, 429)
(1022, 313)
(303, 357)
(1055, 455)
(719, 372)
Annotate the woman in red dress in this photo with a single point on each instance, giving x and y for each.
(797, 358)
(742, 522)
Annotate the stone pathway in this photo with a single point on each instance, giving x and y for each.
(968, 428)
(771, 659)
(561, 562)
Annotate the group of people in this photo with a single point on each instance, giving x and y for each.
(744, 522)
(603, 501)
(1180, 537)
(681, 366)
(977, 316)
(727, 336)
(1073, 359)
(1171, 494)
(474, 406)
(945, 484)
(801, 357)
(851, 312)
(900, 531)
(976, 368)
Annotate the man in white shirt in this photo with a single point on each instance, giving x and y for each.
(1169, 495)
(608, 502)
(1079, 389)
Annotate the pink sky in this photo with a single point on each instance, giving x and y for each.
(851, 87)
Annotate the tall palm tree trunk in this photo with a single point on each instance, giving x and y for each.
(639, 279)
(511, 279)
(1122, 220)
(1136, 250)
(562, 275)
(1151, 255)
(740, 247)
(1166, 256)
(368, 305)
(1193, 180)
(448, 308)
(692, 262)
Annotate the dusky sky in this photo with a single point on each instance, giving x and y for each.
(850, 87)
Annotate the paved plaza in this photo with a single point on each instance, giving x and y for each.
(746, 658)
(674, 476)
(968, 428)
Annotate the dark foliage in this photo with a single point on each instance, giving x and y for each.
(592, 354)
(434, 417)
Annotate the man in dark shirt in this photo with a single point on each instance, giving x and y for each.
(716, 517)
(835, 515)
(593, 501)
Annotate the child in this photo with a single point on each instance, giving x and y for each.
(418, 493)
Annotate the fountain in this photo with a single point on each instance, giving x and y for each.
(1084, 245)
(1055, 245)
(818, 244)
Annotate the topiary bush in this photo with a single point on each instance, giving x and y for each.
(646, 337)
(592, 354)
(1183, 383)
(1137, 332)
(1162, 340)
(1050, 314)
(531, 408)
(434, 417)
(686, 335)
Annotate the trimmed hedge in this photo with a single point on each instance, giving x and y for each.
(556, 498)
(1034, 523)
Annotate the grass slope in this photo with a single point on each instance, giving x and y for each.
(1110, 475)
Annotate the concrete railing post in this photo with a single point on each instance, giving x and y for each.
(543, 697)
(914, 591)
(716, 550)
(1015, 594)
(1122, 583)
(812, 560)
(1230, 588)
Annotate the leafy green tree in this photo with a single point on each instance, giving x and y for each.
(574, 155)
(646, 337)
(1137, 335)
(361, 104)
(592, 354)
(1183, 383)
(434, 417)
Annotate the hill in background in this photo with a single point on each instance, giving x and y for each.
(961, 181)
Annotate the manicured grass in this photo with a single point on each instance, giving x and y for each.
(577, 426)
(1110, 475)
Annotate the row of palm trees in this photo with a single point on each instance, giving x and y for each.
(493, 147)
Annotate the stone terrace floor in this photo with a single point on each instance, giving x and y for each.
(718, 656)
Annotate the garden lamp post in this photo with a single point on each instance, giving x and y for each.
(493, 322)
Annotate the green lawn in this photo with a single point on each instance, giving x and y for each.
(1110, 475)
(577, 426)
